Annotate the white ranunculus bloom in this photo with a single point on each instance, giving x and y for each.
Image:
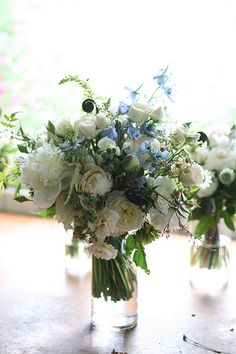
(200, 154)
(178, 136)
(209, 190)
(101, 121)
(96, 181)
(107, 143)
(192, 175)
(174, 221)
(105, 223)
(103, 250)
(64, 127)
(131, 216)
(138, 112)
(219, 158)
(157, 114)
(86, 126)
(43, 171)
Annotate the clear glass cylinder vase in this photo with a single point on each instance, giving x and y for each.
(114, 293)
(209, 263)
(77, 257)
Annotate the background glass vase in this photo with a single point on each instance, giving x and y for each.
(114, 291)
(77, 257)
(209, 261)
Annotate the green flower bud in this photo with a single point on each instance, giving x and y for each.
(131, 163)
(227, 176)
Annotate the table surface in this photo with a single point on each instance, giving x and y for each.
(43, 310)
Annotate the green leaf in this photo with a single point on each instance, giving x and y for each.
(4, 124)
(48, 213)
(22, 148)
(21, 199)
(228, 219)
(132, 245)
(51, 127)
(6, 117)
(206, 222)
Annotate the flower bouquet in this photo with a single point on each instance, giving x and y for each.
(216, 202)
(119, 177)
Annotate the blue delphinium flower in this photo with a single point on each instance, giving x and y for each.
(141, 181)
(169, 92)
(133, 133)
(123, 108)
(110, 133)
(160, 79)
(148, 129)
(161, 155)
(145, 147)
(132, 94)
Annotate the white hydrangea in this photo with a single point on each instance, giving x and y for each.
(42, 170)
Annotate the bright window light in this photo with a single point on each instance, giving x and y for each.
(118, 44)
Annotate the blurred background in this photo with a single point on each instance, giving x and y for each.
(117, 44)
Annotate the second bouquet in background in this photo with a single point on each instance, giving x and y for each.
(119, 177)
(217, 203)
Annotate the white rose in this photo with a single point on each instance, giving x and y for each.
(43, 171)
(103, 250)
(171, 219)
(157, 114)
(105, 223)
(107, 143)
(96, 181)
(86, 127)
(192, 175)
(200, 154)
(138, 112)
(209, 190)
(178, 136)
(64, 127)
(101, 121)
(219, 158)
(131, 216)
